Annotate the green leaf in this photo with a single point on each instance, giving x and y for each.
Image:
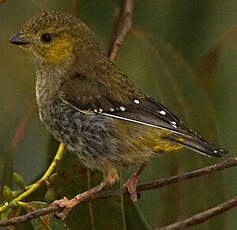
(13, 204)
(6, 164)
(49, 195)
(18, 179)
(7, 193)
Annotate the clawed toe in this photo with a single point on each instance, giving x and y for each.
(131, 186)
(65, 205)
(62, 215)
(61, 203)
(132, 183)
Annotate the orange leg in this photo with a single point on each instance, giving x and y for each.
(132, 182)
(110, 177)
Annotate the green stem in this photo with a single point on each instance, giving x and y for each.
(38, 183)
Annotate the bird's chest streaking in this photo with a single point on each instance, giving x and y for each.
(91, 137)
(83, 134)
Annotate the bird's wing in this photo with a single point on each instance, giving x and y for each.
(129, 104)
(93, 97)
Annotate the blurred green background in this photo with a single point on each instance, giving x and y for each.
(184, 53)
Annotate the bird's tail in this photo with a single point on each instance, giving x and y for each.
(197, 144)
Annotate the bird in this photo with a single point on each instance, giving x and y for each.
(87, 103)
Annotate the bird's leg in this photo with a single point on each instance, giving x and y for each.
(132, 182)
(110, 177)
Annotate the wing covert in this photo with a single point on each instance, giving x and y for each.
(94, 97)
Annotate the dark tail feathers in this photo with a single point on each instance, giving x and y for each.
(197, 144)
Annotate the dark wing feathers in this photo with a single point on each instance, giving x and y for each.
(154, 114)
(197, 144)
(95, 97)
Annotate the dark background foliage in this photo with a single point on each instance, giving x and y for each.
(183, 53)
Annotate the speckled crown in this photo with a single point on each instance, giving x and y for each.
(49, 18)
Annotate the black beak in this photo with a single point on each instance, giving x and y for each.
(17, 39)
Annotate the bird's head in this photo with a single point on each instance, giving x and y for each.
(55, 37)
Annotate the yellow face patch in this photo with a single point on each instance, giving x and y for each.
(59, 49)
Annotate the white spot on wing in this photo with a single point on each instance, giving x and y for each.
(122, 108)
(100, 110)
(136, 101)
(95, 110)
(174, 124)
(162, 112)
(111, 109)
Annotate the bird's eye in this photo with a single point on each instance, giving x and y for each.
(46, 38)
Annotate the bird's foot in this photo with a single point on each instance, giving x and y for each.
(66, 205)
(131, 186)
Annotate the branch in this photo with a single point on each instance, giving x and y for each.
(124, 24)
(202, 216)
(31, 188)
(231, 162)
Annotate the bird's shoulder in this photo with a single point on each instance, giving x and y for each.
(111, 93)
(102, 88)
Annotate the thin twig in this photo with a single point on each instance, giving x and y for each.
(116, 25)
(231, 162)
(74, 7)
(124, 26)
(202, 216)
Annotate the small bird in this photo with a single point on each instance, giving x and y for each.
(88, 104)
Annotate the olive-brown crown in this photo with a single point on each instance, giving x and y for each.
(53, 37)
